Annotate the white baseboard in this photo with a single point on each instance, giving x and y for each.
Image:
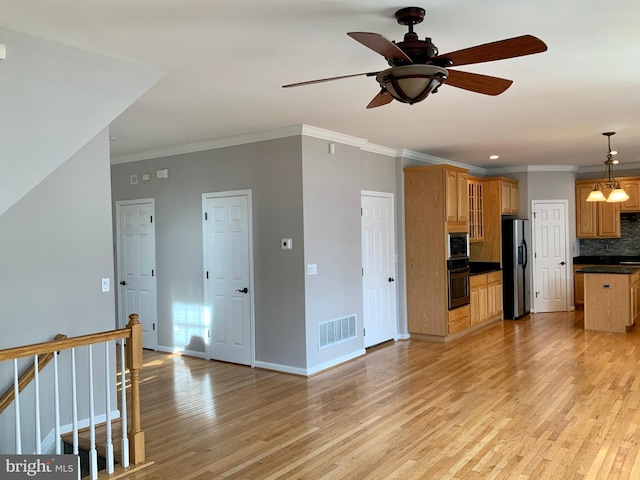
(189, 353)
(84, 423)
(281, 368)
(306, 372)
(192, 353)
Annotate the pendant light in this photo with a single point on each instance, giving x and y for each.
(617, 193)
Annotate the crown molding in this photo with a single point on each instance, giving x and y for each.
(381, 150)
(210, 145)
(321, 133)
(431, 160)
(533, 168)
(618, 167)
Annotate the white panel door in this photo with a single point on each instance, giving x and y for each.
(378, 268)
(228, 290)
(550, 292)
(136, 258)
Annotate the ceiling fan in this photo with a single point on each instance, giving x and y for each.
(418, 70)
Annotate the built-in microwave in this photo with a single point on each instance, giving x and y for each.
(457, 245)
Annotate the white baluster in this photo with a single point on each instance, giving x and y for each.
(107, 389)
(36, 379)
(16, 406)
(74, 401)
(56, 404)
(123, 407)
(93, 454)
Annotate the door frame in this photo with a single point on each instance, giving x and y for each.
(391, 196)
(119, 204)
(230, 193)
(567, 246)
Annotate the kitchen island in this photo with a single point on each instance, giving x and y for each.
(611, 297)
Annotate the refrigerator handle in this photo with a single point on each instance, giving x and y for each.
(526, 253)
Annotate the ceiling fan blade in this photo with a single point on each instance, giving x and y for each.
(500, 50)
(475, 82)
(381, 99)
(381, 45)
(311, 82)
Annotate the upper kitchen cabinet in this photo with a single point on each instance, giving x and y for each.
(632, 187)
(476, 210)
(595, 219)
(509, 196)
(494, 190)
(456, 198)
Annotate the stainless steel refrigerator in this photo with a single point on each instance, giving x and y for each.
(516, 236)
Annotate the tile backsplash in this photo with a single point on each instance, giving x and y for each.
(628, 244)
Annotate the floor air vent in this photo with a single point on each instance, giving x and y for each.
(336, 331)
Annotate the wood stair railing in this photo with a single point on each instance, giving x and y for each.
(132, 333)
(27, 377)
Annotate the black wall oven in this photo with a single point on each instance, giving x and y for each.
(458, 273)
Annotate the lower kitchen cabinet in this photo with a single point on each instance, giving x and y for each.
(458, 320)
(485, 297)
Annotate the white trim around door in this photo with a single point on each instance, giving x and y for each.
(567, 256)
(242, 288)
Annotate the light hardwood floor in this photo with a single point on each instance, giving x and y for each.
(530, 399)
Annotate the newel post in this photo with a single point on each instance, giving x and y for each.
(134, 363)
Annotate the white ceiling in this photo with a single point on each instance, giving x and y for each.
(225, 62)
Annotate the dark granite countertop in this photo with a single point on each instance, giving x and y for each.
(478, 268)
(609, 269)
(604, 259)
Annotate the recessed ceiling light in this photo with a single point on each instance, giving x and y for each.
(494, 157)
(114, 138)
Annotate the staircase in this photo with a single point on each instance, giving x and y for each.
(118, 365)
(84, 445)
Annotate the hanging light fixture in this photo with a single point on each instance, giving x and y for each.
(617, 193)
(412, 83)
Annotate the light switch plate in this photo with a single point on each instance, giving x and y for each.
(312, 269)
(105, 285)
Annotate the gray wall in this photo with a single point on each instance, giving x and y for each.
(273, 171)
(299, 192)
(55, 246)
(332, 186)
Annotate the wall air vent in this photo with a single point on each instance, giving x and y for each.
(336, 331)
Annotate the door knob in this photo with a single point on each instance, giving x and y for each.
(561, 263)
(244, 290)
(123, 282)
(391, 279)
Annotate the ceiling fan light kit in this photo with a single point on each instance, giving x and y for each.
(417, 69)
(617, 193)
(412, 83)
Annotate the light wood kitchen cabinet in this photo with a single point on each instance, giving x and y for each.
(457, 200)
(632, 187)
(476, 210)
(611, 300)
(635, 295)
(595, 219)
(494, 293)
(509, 197)
(490, 249)
(430, 193)
(478, 295)
(578, 286)
(458, 320)
(485, 297)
